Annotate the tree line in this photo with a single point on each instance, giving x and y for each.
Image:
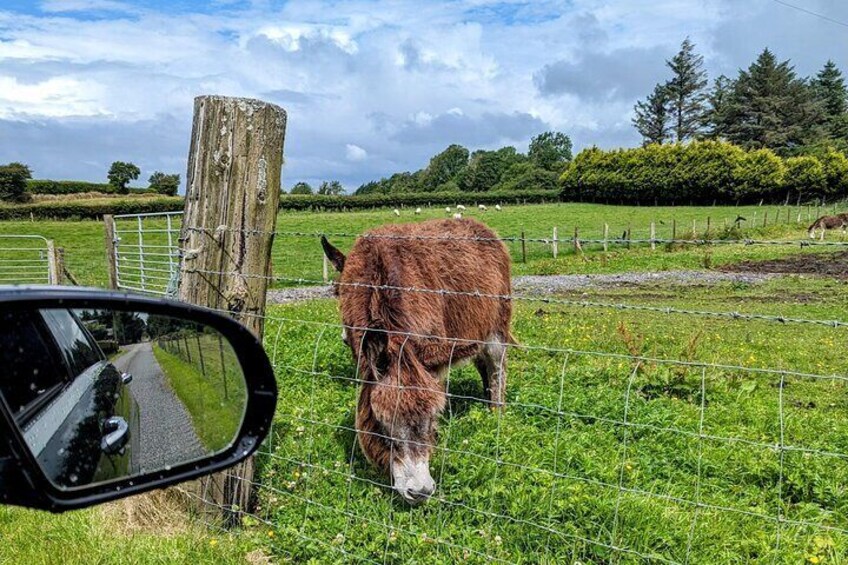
(17, 186)
(456, 169)
(765, 106)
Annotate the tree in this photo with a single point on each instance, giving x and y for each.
(550, 150)
(829, 89)
(686, 92)
(717, 101)
(164, 184)
(301, 188)
(13, 182)
(120, 175)
(652, 119)
(486, 168)
(769, 107)
(444, 167)
(332, 187)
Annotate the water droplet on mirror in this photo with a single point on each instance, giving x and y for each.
(61, 451)
(167, 467)
(73, 478)
(32, 386)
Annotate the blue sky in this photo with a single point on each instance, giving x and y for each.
(370, 88)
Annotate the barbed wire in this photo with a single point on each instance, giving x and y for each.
(542, 299)
(519, 239)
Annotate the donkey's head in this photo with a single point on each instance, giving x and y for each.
(398, 412)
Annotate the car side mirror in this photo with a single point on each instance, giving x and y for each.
(104, 395)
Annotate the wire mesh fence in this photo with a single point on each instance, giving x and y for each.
(26, 259)
(607, 451)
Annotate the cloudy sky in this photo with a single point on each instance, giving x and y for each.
(371, 88)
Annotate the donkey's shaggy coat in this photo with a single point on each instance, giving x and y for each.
(406, 340)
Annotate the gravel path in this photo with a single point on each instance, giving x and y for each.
(546, 284)
(167, 434)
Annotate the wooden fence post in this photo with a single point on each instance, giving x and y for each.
(555, 243)
(53, 273)
(606, 237)
(765, 218)
(653, 236)
(707, 233)
(694, 228)
(673, 230)
(577, 246)
(61, 270)
(325, 271)
(523, 248)
(111, 250)
(232, 196)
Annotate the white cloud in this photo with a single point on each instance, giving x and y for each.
(404, 81)
(355, 152)
(55, 97)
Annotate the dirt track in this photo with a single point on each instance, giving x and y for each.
(547, 284)
(826, 264)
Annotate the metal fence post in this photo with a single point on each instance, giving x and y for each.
(232, 196)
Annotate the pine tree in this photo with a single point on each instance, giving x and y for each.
(686, 92)
(829, 88)
(652, 118)
(717, 101)
(769, 107)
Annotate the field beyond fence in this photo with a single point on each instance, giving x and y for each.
(678, 422)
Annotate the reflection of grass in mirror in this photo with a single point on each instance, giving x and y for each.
(214, 398)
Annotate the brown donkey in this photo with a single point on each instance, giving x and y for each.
(839, 221)
(406, 335)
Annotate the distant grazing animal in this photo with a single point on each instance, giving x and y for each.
(839, 221)
(405, 342)
(447, 210)
(417, 211)
(396, 212)
(481, 207)
(739, 219)
(460, 207)
(498, 207)
(457, 216)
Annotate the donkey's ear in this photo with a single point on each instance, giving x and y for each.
(335, 256)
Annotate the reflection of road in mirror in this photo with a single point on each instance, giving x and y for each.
(167, 435)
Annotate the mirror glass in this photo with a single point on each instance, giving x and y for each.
(101, 395)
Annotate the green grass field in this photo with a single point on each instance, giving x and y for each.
(300, 256)
(539, 484)
(558, 477)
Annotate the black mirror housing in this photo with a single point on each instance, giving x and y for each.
(23, 482)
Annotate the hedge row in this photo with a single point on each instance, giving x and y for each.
(702, 173)
(42, 186)
(87, 209)
(324, 202)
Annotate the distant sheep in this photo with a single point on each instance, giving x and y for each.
(460, 207)
(448, 210)
(457, 216)
(396, 212)
(482, 207)
(417, 211)
(498, 207)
